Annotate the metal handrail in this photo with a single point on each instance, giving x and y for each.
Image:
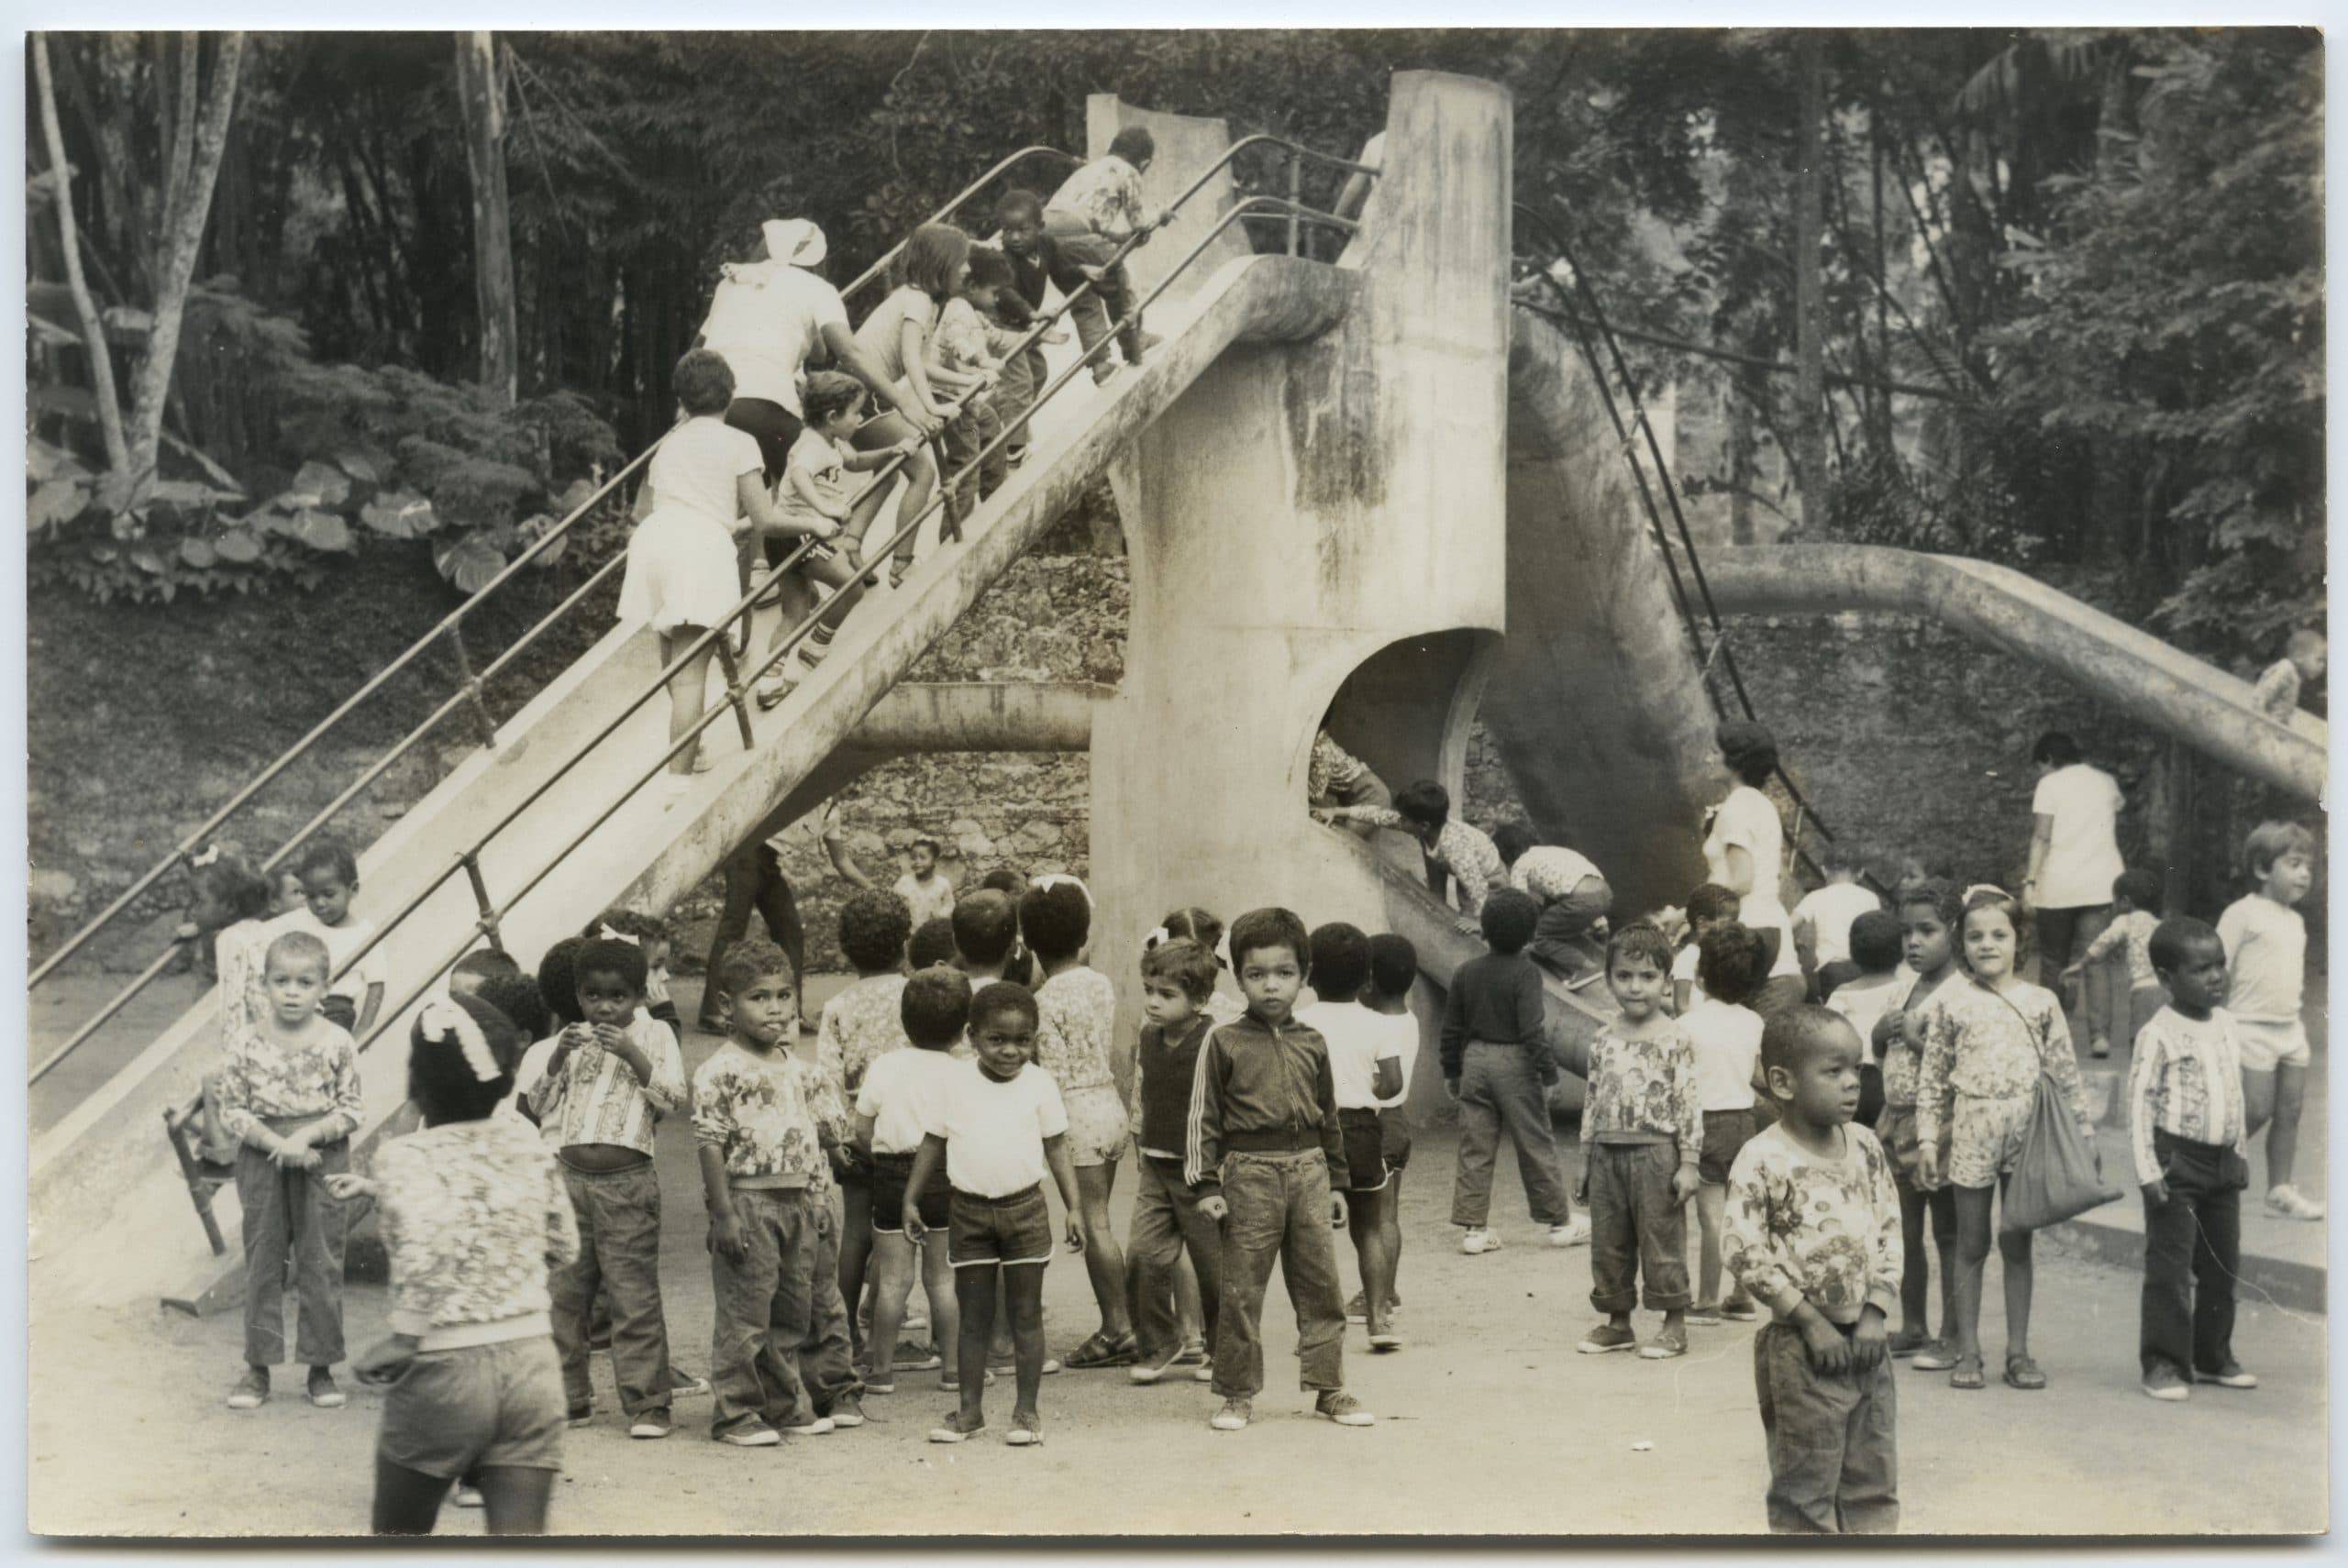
(880, 268)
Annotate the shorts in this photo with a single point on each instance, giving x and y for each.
(1725, 1132)
(1098, 1128)
(483, 1406)
(889, 1174)
(1394, 1137)
(1364, 1150)
(2265, 1047)
(1896, 1130)
(986, 1230)
(1986, 1138)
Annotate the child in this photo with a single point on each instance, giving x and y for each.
(1496, 1064)
(703, 493)
(2277, 692)
(1571, 942)
(2189, 1138)
(1874, 983)
(1335, 777)
(1812, 1231)
(1641, 1133)
(228, 891)
(2266, 944)
(651, 934)
(474, 1215)
(1077, 1010)
(760, 1120)
(2135, 896)
(607, 1081)
(1035, 265)
(927, 892)
(1708, 905)
(1928, 910)
(862, 1022)
(1726, 1034)
(1095, 210)
(986, 938)
(1202, 927)
(814, 501)
(1450, 846)
(1822, 919)
(329, 879)
(997, 1124)
(1177, 977)
(1365, 1051)
(965, 363)
(289, 1095)
(1393, 967)
(231, 908)
(1989, 1039)
(931, 946)
(896, 336)
(1266, 1152)
(893, 1108)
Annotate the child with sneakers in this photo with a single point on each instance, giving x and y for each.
(2135, 901)
(2266, 945)
(1096, 210)
(1725, 1034)
(1497, 1065)
(996, 1127)
(1813, 1233)
(1266, 1154)
(1393, 967)
(608, 1081)
(288, 1093)
(2188, 1136)
(1365, 1051)
(863, 1022)
(893, 1108)
(758, 1118)
(1641, 1131)
(1177, 977)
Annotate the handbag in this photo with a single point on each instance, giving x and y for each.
(2059, 1175)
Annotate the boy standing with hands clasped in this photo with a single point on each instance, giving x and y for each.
(1813, 1232)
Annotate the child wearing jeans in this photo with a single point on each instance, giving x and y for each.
(1641, 1131)
(1267, 1153)
(1497, 1065)
(1814, 1233)
(1095, 210)
(2135, 901)
(1178, 975)
(2187, 1134)
(996, 1127)
(2267, 946)
(289, 1095)
(1726, 1034)
(1365, 1051)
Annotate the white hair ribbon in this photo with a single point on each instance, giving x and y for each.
(605, 934)
(1986, 887)
(444, 1020)
(209, 856)
(1151, 943)
(1061, 879)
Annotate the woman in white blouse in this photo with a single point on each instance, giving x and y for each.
(1744, 851)
(2073, 859)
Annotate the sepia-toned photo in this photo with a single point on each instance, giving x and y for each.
(954, 784)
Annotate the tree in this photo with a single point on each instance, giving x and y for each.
(477, 90)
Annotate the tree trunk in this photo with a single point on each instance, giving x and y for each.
(1810, 358)
(184, 240)
(477, 91)
(93, 334)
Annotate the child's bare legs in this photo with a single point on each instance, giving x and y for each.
(1972, 1260)
(2275, 1101)
(892, 1281)
(920, 472)
(2016, 1272)
(945, 1308)
(1365, 1218)
(1389, 1221)
(856, 1250)
(1712, 1211)
(1104, 1261)
(835, 571)
(1023, 1284)
(407, 1502)
(974, 1290)
(1190, 1317)
(688, 691)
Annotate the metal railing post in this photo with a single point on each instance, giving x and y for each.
(734, 691)
(1295, 200)
(469, 684)
(487, 905)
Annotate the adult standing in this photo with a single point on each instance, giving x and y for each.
(2073, 858)
(755, 881)
(1744, 851)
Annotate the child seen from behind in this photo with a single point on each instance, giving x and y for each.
(1726, 1034)
(2136, 899)
(1496, 1064)
(1365, 1051)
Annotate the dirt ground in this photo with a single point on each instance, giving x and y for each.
(1489, 1423)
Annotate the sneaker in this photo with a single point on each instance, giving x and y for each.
(1337, 1405)
(1576, 1234)
(1388, 1341)
(951, 1430)
(880, 1385)
(917, 1358)
(1357, 1310)
(1026, 1431)
(1149, 1369)
(1739, 1312)
(848, 1411)
(1668, 1341)
(1903, 1346)
(2163, 1382)
(1937, 1355)
(777, 684)
(2230, 1375)
(469, 1497)
(251, 1391)
(322, 1391)
(581, 1415)
(814, 1425)
(1203, 1372)
(1479, 1240)
(1703, 1316)
(1233, 1416)
(685, 1386)
(2102, 1047)
(2292, 1204)
(652, 1426)
(751, 1434)
(1194, 1354)
(1608, 1337)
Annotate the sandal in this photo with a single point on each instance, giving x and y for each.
(1102, 1350)
(1967, 1374)
(2022, 1372)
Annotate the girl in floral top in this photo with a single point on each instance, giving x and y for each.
(474, 1214)
(1985, 1048)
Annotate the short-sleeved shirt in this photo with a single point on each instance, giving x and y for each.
(960, 341)
(2132, 934)
(1727, 1041)
(1829, 911)
(864, 1021)
(1683, 968)
(1076, 1011)
(341, 941)
(933, 899)
(2083, 851)
(1105, 194)
(1358, 1040)
(766, 317)
(1864, 1001)
(825, 467)
(2267, 957)
(882, 334)
(697, 465)
(901, 1093)
(995, 1132)
(1747, 821)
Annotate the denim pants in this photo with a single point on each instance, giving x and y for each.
(1499, 1087)
(1024, 376)
(2192, 1252)
(825, 1354)
(1563, 943)
(1833, 1449)
(1279, 1213)
(1635, 1227)
(620, 1246)
(1111, 299)
(290, 1219)
(1165, 1222)
(969, 435)
(766, 1307)
(754, 881)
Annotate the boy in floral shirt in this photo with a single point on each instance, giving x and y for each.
(1813, 1233)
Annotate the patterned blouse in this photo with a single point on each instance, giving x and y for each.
(1330, 766)
(1993, 1048)
(961, 342)
(864, 1019)
(768, 1116)
(1903, 1065)
(266, 1077)
(2186, 1080)
(2134, 929)
(1105, 193)
(237, 953)
(474, 1213)
(1464, 850)
(595, 1097)
(1644, 1087)
(1076, 1010)
(1550, 871)
(1804, 1228)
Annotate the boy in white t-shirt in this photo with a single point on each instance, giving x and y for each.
(1365, 1051)
(329, 875)
(2267, 949)
(1727, 1035)
(1393, 967)
(1822, 919)
(997, 1126)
